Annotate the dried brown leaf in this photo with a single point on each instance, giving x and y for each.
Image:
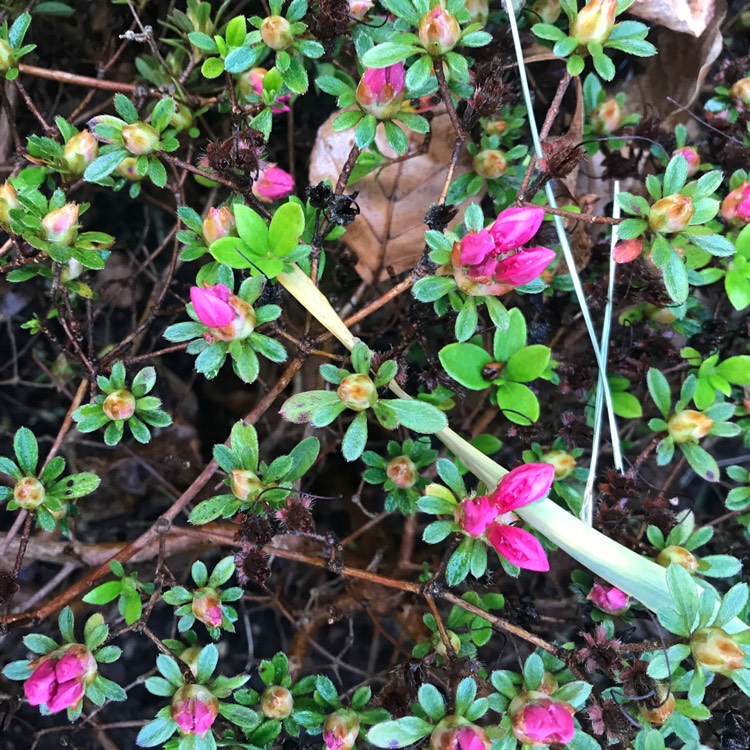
(389, 232)
(685, 16)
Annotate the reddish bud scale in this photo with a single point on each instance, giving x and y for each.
(715, 650)
(276, 702)
(689, 426)
(80, 151)
(671, 214)
(275, 32)
(61, 225)
(439, 31)
(594, 22)
(490, 164)
(119, 405)
(219, 223)
(8, 201)
(341, 729)
(207, 607)
(140, 138)
(678, 555)
(736, 206)
(562, 462)
(607, 117)
(357, 392)
(29, 493)
(402, 472)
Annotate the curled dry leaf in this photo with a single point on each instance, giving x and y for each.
(685, 16)
(389, 232)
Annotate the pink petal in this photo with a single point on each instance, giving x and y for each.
(524, 266)
(477, 514)
(40, 686)
(515, 227)
(67, 694)
(184, 716)
(204, 718)
(210, 307)
(273, 184)
(523, 485)
(518, 547)
(69, 667)
(548, 723)
(475, 247)
(468, 739)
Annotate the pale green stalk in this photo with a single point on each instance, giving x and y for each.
(588, 495)
(557, 221)
(639, 577)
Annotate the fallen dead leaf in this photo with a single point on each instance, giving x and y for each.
(681, 66)
(389, 230)
(685, 16)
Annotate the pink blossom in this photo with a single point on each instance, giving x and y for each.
(544, 722)
(207, 608)
(523, 485)
(608, 599)
(736, 206)
(523, 267)
(254, 79)
(273, 184)
(211, 305)
(476, 247)
(469, 739)
(194, 709)
(381, 90)
(518, 546)
(692, 157)
(476, 514)
(515, 227)
(59, 683)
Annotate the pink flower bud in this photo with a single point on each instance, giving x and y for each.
(127, 169)
(736, 206)
(381, 91)
(61, 225)
(29, 493)
(609, 599)
(689, 426)
(60, 678)
(539, 720)
(7, 60)
(628, 250)
(476, 514)
(402, 472)
(739, 93)
(606, 118)
(472, 738)
(219, 223)
(518, 546)
(716, 650)
(524, 266)
(8, 201)
(358, 9)
(276, 702)
(671, 214)
(80, 151)
(140, 138)
(490, 164)
(594, 22)
(341, 729)
(357, 392)
(119, 405)
(515, 227)
(245, 484)
(252, 83)
(563, 463)
(207, 607)
(228, 317)
(439, 31)
(475, 247)
(523, 485)
(692, 157)
(194, 709)
(273, 185)
(457, 733)
(547, 10)
(276, 33)
(675, 554)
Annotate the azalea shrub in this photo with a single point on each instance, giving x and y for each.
(375, 375)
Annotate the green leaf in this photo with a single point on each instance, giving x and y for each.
(399, 733)
(213, 67)
(387, 54)
(683, 589)
(157, 172)
(169, 669)
(675, 174)
(355, 438)
(701, 461)
(548, 31)
(156, 732)
(125, 108)
(104, 593)
(240, 59)
(236, 31)
(464, 363)
(286, 227)
(419, 415)
(396, 137)
(527, 364)
(301, 407)
(431, 702)
(207, 661)
(295, 77)
(736, 370)
(533, 672)
(465, 694)
(431, 288)
(459, 563)
(658, 387)
(27, 450)
(104, 165)
(714, 244)
(233, 252)
(518, 403)
(604, 66)
(364, 135)
(437, 531)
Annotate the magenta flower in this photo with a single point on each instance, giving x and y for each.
(736, 206)
(194, 709)
(476, 514)
(515, 227)
(493, 261)
(211, 305)
(207, 608)
(523, 485)
(59, 683)
(609, 599)
(381, 90)
(273, 184)
(543, 722)
(518, 547)
(469, 738)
